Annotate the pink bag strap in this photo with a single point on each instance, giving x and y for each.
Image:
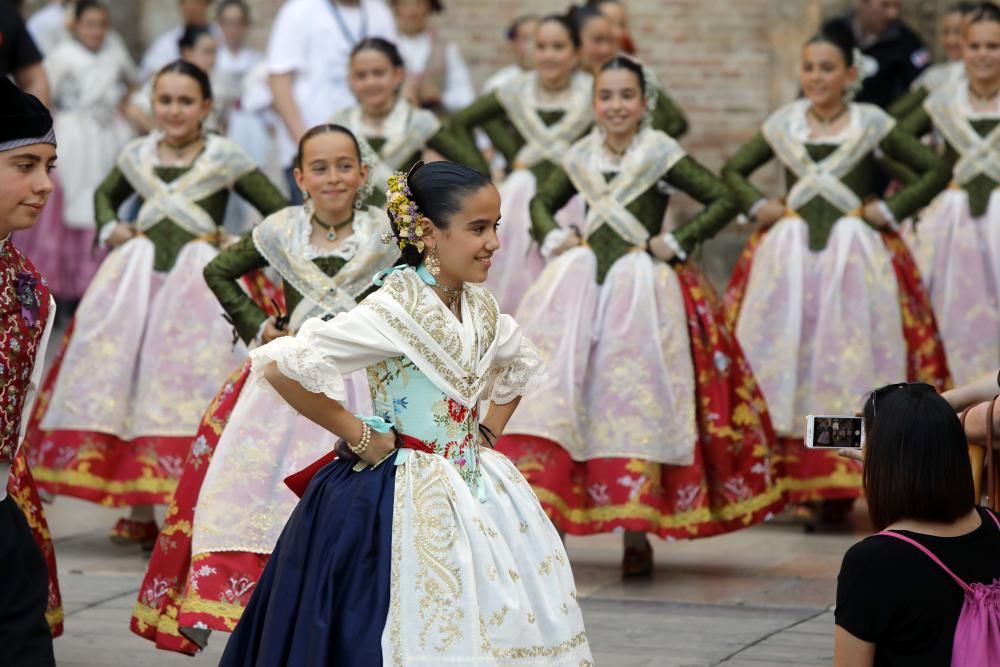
(889, 533)
(904, 538)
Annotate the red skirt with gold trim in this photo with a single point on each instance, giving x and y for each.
(731, 484)
(103, 468)
(165, 588)
(815, 474)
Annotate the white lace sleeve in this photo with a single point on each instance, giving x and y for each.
(299, 360)
(322, 353)
(518, 367)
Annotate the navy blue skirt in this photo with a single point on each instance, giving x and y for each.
(324, 596)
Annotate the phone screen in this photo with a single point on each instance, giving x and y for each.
(835, 432)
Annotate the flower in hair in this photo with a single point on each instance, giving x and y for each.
(403, 211)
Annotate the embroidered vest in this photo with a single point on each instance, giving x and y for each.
(24, 310)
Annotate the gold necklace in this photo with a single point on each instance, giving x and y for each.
(451, 295)
(983, 100)
(331, 230)
(826, 123)
(179, 150)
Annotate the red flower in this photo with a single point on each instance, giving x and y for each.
(457, 411)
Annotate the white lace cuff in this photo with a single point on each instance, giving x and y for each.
(106, 230)
(553, 240)
(299, 360)
(521, 374)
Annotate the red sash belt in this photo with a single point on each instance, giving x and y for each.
(299, 481)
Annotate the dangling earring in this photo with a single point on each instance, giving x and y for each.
(307, 203)
(433, 262)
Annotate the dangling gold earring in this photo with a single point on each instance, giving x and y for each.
(433, 262)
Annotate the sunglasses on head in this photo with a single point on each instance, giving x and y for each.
(882, 391)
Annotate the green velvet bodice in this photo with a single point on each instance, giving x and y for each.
(687, 176)
(929, 176)
(168, 237)
(908, 103)
(981, 187)
(223, 275)
(457, 142)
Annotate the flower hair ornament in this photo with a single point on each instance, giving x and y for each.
(867, 67)
(403, 212)
(651, 89)
(369, 158)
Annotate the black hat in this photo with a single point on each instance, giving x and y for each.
(23, 119)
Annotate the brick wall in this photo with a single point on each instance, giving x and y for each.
(727, 62)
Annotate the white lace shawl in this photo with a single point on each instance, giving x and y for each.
(484, 356)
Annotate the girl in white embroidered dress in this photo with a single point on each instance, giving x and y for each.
(460, 564)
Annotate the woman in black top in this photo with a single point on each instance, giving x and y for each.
(895, 606)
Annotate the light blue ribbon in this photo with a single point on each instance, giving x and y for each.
(422, 271)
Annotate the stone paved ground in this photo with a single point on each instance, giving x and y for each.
(756, 598)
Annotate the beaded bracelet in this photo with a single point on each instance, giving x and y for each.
(366, 439)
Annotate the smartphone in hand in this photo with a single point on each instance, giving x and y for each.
(835, 432)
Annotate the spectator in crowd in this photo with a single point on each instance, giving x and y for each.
(308, 57)
(893, 53)
(980, 391)
(234, 59)
(164, 49)
(895, 606)
(617, 13)
(437, 78)
(19, 56)
(48, 25)
(521, 37)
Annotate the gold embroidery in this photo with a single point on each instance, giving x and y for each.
(435, 536)
(408, 291)
(636, 509)
(522, 653)
(498, 617)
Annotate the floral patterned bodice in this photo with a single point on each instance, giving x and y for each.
(404, 396)
(24, 311)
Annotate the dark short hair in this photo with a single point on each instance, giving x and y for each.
(191, 35)
(437, 6)
(239, 4)
(383, 46)
(189, 70)
(325, 128)
(516, 24)
(567, 25)
(83, 6)
(984, 12)
(622, 62)
(439, 190)
(916, 458)
(963, 7)
(841, 44)
(581, 15)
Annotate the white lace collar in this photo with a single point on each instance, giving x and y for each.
(344, 251)
(964, 103)
(798, 127)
